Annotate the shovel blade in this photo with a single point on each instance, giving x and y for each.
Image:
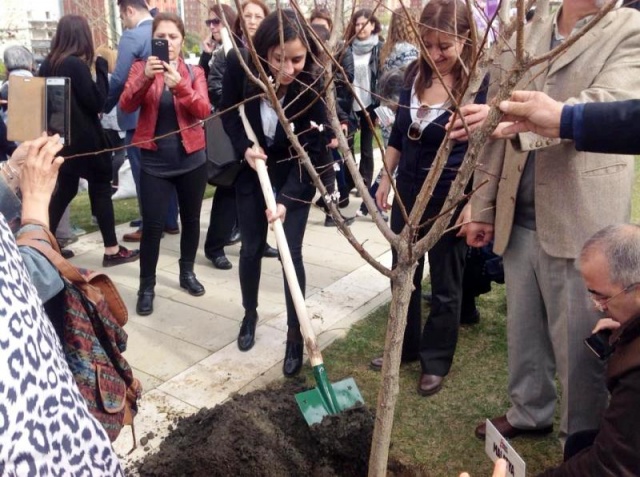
(314, 406)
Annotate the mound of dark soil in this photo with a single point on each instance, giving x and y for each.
(264, 434)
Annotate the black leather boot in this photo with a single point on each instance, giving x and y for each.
(247, 335)
(293, 353)
(188, 279)
(144, 305)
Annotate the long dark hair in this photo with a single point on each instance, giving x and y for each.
(72, 38)
(293, 27)
(350, 31)
(446, 16)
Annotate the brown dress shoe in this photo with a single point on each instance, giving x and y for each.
(509, 431)
(133, 236)
(429, 384)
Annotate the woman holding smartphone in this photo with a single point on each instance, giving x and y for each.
(424, 109)
(172, 98)
(291, 64)
(72, 56)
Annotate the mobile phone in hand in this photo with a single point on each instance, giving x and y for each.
(599, 344)
(160, 49)
(58, 108)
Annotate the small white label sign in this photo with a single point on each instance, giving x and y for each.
(497, 447)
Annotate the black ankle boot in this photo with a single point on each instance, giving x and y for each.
(292, 359)
(144, 305)
(188, 279)
(247, 335)
(293, 353)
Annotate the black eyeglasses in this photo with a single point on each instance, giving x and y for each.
(212, 21)
(415, 131)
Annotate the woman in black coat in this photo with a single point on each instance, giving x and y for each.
(291, 66)
(72, 55)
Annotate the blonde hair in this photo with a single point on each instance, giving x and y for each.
(108, 54)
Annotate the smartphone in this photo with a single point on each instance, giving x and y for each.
(58, 108)
(599, 344)
(160, 48)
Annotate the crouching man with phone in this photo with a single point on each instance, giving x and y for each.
(610, 266)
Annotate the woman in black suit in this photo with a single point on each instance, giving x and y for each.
(291, 66)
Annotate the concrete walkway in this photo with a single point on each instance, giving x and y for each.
(185, 353)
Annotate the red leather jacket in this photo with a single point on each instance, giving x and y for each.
(191, 102)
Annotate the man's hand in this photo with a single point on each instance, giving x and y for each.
(606, 324)
(532, 111)
(478, 234)
(463, 220)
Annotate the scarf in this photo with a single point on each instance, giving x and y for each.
(362, 47)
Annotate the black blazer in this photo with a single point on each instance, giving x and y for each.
(302, 105)
(610, 127)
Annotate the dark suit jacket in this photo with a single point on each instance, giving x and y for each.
(610, 127)
(302, 105)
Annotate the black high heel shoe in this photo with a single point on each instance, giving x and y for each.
(247, 335)
(292, 358)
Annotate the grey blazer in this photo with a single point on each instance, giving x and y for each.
(576, 193)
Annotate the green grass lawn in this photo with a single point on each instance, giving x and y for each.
(435, 433)
(125, 210)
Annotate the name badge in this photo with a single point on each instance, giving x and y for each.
(497, 447)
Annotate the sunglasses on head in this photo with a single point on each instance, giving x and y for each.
(212, 21)
(415, 131)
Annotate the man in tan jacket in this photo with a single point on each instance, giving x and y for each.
(542, 201)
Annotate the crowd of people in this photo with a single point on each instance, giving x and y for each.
(557, 211)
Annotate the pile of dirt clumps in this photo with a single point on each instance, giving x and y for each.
(263, 433)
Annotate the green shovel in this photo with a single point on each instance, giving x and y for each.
(327, 398)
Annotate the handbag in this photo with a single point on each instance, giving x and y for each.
(222, 164)
(94, 338)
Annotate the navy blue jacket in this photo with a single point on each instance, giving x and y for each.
(610, 127)
(417, 156)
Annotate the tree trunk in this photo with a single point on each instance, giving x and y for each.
(402, 286)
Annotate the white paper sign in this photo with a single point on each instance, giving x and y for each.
(497, 447)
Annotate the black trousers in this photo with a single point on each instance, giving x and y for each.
(366, 150)
(224, 216)
(435, 344)
(155, 193)
(253, 229)
(97, 171)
